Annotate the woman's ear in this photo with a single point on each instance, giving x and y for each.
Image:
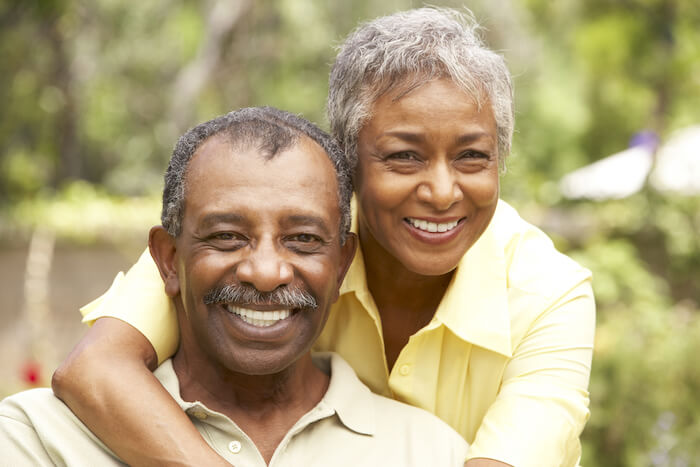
(164, 253)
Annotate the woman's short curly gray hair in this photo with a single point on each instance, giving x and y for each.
(402, 51)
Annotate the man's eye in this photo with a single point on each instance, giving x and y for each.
(227, 240)
(305, 238)
(304, 243)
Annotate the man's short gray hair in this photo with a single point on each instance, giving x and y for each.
(406, 49)
(266, 129)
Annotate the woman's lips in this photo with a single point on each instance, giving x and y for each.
(434, 231)
(430, 226)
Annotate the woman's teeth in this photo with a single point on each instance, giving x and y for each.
(432, 226)
(259, 318)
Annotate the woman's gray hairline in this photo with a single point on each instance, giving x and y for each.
(368, 95)
(354, 113)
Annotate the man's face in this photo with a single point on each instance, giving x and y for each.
(263, 226)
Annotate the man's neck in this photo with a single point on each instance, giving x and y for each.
(265, 407)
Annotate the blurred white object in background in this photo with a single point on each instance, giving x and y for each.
(677, 165)
(674, 168)
(617, 176)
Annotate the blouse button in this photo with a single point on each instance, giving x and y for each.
(405, 370)
(234, 447)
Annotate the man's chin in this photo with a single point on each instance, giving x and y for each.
(264, 365)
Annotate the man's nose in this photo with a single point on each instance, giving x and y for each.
(265, 268)
(440, 189)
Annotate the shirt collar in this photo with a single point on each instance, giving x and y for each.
(346, 394)
(475, 305)
(168, 378)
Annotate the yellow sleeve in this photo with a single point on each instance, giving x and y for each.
(139, 299)
(542, 406)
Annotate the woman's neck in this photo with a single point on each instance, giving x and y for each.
(393, 285)
(406, 300)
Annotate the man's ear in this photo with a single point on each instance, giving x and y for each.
(347, 253)
(163, 250)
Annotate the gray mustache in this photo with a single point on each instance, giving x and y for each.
(284, 297)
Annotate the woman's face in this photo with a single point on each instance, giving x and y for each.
(427, 176)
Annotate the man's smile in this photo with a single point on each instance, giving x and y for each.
(259, 318)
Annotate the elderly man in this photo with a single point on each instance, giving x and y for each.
(253, 248)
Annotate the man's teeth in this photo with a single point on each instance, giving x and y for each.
(259, 318)
(432, 226)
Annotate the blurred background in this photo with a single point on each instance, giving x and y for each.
(606, 160)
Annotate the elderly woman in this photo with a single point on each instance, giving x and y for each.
(453, 303)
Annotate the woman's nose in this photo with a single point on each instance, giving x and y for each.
(440, 188)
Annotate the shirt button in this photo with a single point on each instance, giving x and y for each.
(405, 370)
(199, 414)
(234, 447)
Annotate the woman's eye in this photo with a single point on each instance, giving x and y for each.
(402, 156)
(474, 155)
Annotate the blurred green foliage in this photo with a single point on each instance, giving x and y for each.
(95, 94)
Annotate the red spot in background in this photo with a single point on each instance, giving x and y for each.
(31, 373)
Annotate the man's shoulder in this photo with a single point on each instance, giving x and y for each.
(37, 427)
(410, 422)
(24, 406)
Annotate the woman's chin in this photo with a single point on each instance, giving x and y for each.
(429, 267)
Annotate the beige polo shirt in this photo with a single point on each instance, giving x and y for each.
(350, 426)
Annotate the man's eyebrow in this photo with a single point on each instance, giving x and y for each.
(221, 218)
(306, 219)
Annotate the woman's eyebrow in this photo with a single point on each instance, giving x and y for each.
(473, 136)
(409, 136)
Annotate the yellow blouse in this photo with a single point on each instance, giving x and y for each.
(505, 360)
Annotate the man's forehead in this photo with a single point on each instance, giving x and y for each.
(297, 182)
(222, 143)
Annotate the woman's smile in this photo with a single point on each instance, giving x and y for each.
(434, 231)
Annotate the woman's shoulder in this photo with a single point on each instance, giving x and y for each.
(532, 261)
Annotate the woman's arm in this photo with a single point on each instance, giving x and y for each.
(542, 405)
(107, 382)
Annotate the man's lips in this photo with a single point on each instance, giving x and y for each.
(260, 318)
